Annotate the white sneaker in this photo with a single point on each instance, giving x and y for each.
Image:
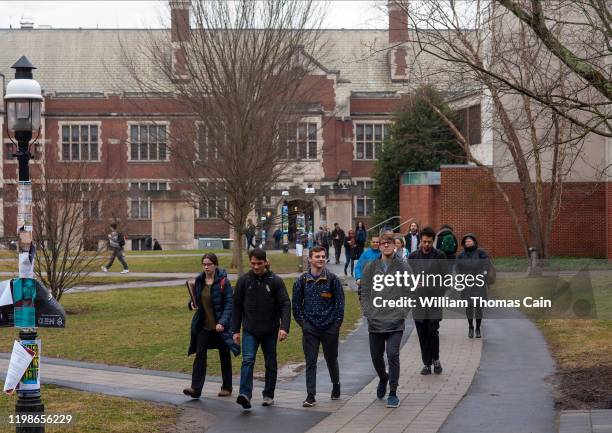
(104, 269)
(125, 271)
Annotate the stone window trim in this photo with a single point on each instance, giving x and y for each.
(143, 201)
(71, 123)
(164, 123)
(386, 124)
(206, 214)
(364, 205)
(316, 120)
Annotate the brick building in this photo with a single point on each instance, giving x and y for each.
(93, 117)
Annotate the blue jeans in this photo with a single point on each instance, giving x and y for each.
(250, 344)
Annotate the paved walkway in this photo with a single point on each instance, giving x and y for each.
(586, 421)
(511, 391)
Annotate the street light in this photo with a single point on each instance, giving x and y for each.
(23, 99)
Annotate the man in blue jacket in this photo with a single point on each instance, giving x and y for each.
(368, 256)
(318, 307)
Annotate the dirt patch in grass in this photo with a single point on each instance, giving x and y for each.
(584, 388)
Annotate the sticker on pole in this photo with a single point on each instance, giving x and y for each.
(21, 358)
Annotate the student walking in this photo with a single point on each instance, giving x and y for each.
(338, 237)
(116, 242)
(412, 238)
(369, 255)
(361, 235)
(385, 325)
(210, 325)
(263, 309)
(318, 307)
(351, 251)
(473, 261)
(401, 252)
(429, 261)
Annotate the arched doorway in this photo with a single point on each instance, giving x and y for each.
(301, 217)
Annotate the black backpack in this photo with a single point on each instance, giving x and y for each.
(121, 239)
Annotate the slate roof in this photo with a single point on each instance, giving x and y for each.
(90, 60)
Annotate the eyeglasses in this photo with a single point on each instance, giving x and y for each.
(386, 243)
(208, 264)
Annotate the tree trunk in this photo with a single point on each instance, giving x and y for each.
(237, 249)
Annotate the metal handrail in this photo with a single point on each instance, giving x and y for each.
(407, 221)
(381, 223)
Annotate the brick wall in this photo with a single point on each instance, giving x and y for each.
(469, 202)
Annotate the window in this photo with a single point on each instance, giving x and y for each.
(369, 138)
(214, 205)
(140, 202)
(364, 205)
(468, 121)
(85, 193)
(91, 209)
(79, 143)
(302, 141)
(209, 143)
(148, 143)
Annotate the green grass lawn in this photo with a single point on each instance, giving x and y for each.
(281, 263)
(581, 347)
(555, 263)
(97, 413)
(145, 328)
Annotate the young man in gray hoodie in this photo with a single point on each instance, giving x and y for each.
(385, 324)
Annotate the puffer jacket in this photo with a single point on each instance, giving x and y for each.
(222, 306)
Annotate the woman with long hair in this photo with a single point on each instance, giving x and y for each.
(210, 326)
(361, 236)
(351, 251)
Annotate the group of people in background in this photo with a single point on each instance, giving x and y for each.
(258, 311)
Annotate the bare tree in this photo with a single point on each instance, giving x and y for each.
(245, 83)
(538, 144)
(563, 27)
(66, 208)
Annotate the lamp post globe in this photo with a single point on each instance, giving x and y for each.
(23, 99)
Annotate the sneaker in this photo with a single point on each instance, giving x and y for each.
(267, 401)
(335, 394)
(104, 269)
(437, 366)
(381, 389)
(478, 334)
(471, 333)
(224, 392)
(125, 271)
(310, 401)
(191, 393)
(244, 401)
(426, 370)
(392, 400)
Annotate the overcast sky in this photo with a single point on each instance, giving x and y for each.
(148, 14)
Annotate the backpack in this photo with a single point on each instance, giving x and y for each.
(448, 244)
(121, 239)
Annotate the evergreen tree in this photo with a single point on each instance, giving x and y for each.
(419, 141)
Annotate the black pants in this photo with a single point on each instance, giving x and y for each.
(118, 253)
(472, 311)
(205, 338)
(338, 250)
(312, 338)
(392, 340)
(429, 339)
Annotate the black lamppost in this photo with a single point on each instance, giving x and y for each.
(23, 101)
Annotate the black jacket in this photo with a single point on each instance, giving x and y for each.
(408, 243)
(473, 262)
(434, 263)
(261, 304)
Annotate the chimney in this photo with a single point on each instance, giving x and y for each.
(398, 21)
(179, 36)
(27, 22)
